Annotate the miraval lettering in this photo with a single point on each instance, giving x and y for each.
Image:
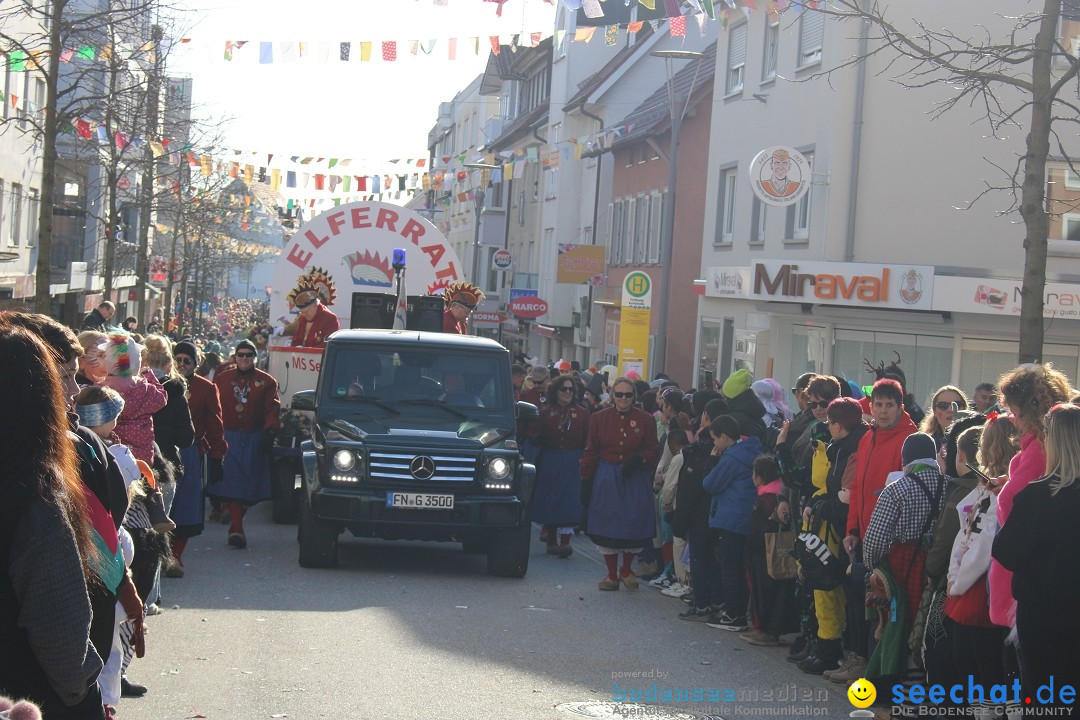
(789, 282)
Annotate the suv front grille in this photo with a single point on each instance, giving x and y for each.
(449, 467)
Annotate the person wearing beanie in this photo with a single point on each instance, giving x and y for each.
(250, 416)
(98, 409)
(142, 392)
(743, 404)
(898, 534)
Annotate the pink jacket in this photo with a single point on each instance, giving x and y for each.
(143, 397)
(1026, 466)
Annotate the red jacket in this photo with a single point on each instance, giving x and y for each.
(878, 455)
(616, 437)
(249, 401)
(314, 333)
(205, 404)
(450, 324)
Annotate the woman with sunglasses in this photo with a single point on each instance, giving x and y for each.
(616, 483)
(944, 404)
(205, 406)
(560, 434)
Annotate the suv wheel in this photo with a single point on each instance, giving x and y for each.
(318, 539)
(508, 553)
(283, 490)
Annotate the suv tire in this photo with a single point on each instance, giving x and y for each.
(318, 539)
(508, 553)
(283, 490)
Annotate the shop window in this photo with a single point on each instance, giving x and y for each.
(987, 360)
(925, 359)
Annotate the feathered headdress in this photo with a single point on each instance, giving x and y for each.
(314, 283)
(463, 292)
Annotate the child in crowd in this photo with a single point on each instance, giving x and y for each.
(142, 393)
(676, 441)
(772, 602)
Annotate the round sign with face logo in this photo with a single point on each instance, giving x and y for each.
(780, 176)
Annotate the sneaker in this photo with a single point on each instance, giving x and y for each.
(565, 551)
(110, 712)
(696, 614)
(755, 633)
(153, 609)
(688, 598)
(129, 689)
(552, 549)
(677, 590)
(630, 581)
(608, 584)
(647, 571)
(726, 622)
(238, 540)
(661, 581)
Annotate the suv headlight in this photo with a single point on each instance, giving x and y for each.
(347, 466)
(344, 460)
(498, 470)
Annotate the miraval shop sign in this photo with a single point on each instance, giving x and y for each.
(905, 287)
(993, 296)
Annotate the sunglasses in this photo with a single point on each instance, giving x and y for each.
(308, 304)
(945, 406)
(465, 305)
(622, 395)
(245, 355)
(567, 388)
(184, 361)
(819, 404)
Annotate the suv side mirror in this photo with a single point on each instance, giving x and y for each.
(525, 411)
(303, 400)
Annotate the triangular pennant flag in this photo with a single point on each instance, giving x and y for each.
(86, 52)
(634, 27)
(584, 34)
(266, 53)
(678, 26)
(650, 4)
(611, 34)
(343, 51)
(495, 47)
(17, 60)
(592, 8)
(365, 51)
(389, 50)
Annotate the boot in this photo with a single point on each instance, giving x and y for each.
(565, 549)
(856, 668)
(844, 663)
(800, 649)
(826, 657)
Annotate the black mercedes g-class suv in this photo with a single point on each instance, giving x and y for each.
(414, 439)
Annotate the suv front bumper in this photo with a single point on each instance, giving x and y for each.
(365, 511)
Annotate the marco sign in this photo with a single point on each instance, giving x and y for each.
(867, 285)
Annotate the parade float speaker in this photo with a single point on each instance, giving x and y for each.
(372, 311)
(425, 313)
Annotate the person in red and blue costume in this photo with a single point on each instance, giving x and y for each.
(461, 299)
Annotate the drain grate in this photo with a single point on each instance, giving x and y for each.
(612, 709)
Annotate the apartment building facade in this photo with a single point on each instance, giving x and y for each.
(883, 257)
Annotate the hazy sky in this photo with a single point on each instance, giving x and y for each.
(374, 110)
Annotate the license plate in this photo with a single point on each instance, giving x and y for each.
(423, 501)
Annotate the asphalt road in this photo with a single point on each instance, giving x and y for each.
(418, 630)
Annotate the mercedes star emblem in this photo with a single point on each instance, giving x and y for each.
(422, 467)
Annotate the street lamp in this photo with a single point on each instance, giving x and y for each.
(677, 115)
(479, 204)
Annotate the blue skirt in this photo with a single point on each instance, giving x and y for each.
(188, 505)
(529, 452)
(247, 470)
(557, 500)
(621, 513)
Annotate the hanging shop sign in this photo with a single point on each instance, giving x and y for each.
(994, 296)
(780, 176)
(581, 264)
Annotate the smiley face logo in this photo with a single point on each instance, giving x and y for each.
(862, 693)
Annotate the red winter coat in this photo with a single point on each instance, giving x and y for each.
(205, 407)
(314, 333)
(877, 456)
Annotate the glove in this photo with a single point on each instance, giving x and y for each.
(215, 471)
(632, 465)
(266, 444)
(129, 598)
(279, 331)
(586, 492)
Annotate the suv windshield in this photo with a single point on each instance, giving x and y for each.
(391, 376)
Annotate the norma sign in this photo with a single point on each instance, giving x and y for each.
(529, 308)
(502, 259)
(780, 176)
(488, 317)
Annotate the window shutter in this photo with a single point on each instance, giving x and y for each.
(656, 227)
(719, 235)
(811, 33)
(628, 230)
(789, 222)
(737, 46)
(755, 214)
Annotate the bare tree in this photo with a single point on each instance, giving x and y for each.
(87, 52)
(1024, 76)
